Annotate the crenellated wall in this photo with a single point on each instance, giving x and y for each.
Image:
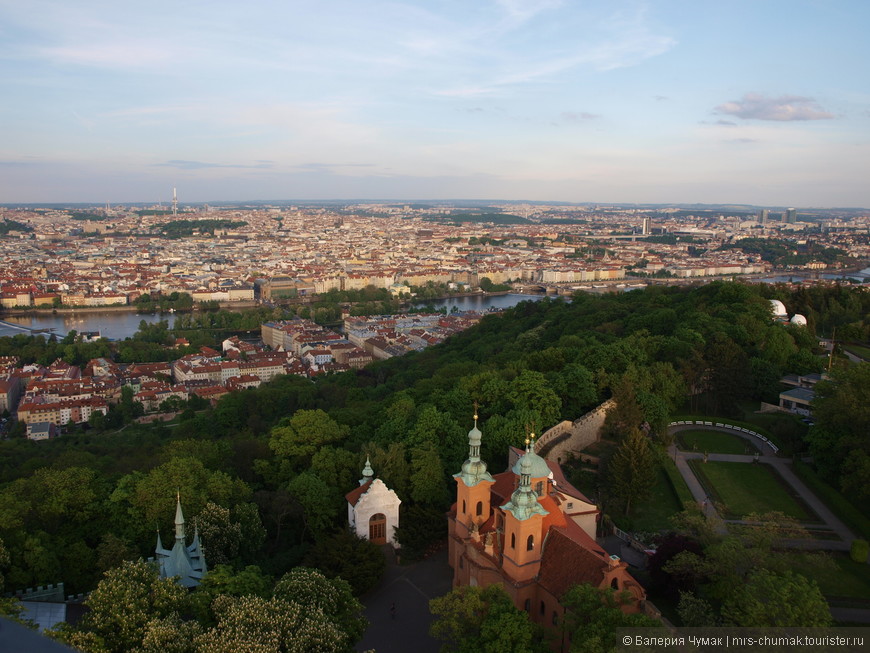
(572, 437)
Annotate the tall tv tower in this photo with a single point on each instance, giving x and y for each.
(174, 203)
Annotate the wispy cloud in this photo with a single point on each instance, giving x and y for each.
(784, 108)
(201, 165)
(329, 166)
(574, 116)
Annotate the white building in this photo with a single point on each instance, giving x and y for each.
(373, 509)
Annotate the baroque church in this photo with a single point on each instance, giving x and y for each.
(184, 562)
(531, 531)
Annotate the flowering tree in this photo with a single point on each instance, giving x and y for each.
(123, 608)
(257, 625)
(333, 598)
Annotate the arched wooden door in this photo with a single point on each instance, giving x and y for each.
(378, 528)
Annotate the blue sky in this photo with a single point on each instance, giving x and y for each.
(747, 101)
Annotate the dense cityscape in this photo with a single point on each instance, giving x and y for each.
(112, 256)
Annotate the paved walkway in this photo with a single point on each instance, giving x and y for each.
(409, 588)
(782, 467)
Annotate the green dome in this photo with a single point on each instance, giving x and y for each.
(537, 466)
(474, 436)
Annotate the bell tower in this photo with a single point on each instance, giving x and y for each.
(473, 508)
(472, 484)
(524, 521)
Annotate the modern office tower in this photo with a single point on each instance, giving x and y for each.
(763, 215)
(790, 216)
(645, 229)
(174, 203)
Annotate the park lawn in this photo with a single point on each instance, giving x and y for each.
(859, 350)
(653, 512)
(849, 580)
(744, 488)
(714, 442)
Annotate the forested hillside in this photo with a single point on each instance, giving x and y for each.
(264, 473)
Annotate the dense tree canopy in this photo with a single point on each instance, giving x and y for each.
(265, 470)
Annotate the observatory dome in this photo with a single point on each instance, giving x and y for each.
(778, 308)
(798, 319)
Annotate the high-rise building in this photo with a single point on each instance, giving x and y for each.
(790, 216)
(645, 229)
(763, 216)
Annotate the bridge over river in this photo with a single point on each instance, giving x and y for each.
(51, 331)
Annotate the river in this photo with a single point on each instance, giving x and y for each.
(115, 325)
(481, 302)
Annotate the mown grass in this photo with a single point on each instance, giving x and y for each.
(654, 511)
(744, 488)
(846, 511)
(849, 580)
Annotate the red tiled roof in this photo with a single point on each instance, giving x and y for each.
(566, 562)
(354, 495)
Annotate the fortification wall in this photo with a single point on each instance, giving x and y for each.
(569, 438)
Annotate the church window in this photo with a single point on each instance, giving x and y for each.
(539, 488)
(614, 584)
(479, 509)
(555, 618)
(527, 606)
(463, 506)
(530, 543)
(513, 540)
(543, 608)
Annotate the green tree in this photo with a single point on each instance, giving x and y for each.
(299, 438)
(471, 619)
(776, 599)
(630, 473)
(838, 440)
(143, 500)
(319, 507)
(695, 612)
(220, 536)
(726, 563)
(592, 616)
(428, 478)
(530, 391)
(626, 415)
(345, 555)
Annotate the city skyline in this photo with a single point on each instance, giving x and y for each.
(643, 102)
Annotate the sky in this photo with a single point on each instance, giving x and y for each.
(762, 102)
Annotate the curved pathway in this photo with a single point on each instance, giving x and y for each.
(783, 468)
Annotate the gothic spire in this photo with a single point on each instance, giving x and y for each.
(179, 518)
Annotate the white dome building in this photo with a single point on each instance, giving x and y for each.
(798, 319)
(778, 308)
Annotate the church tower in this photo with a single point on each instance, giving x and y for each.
(473, 507)
(524, 517)
(473, 484)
